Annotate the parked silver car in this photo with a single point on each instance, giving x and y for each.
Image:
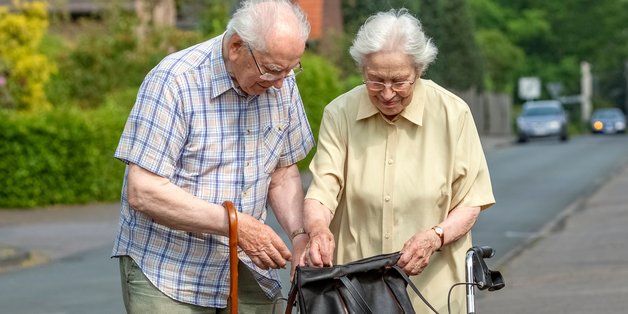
(542, 118)
(608, 121)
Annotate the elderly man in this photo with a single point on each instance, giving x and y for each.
(222, 120)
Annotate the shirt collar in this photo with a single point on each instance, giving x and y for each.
(412, 113)
(220, 81)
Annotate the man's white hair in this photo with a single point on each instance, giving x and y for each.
(256, 19)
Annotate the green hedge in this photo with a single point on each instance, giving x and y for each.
(60, 157)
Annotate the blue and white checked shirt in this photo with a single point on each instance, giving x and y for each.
(192, 125)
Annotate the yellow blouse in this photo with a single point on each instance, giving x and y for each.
(385, 180)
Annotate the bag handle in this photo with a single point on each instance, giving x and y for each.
(416, 290)
(357, 296)
(233, 255)
(292, 295)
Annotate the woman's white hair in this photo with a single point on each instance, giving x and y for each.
(255, 19)
(395, 30)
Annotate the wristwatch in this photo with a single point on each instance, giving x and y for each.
(441, 235)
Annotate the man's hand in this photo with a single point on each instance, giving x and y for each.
(261, 243)
(320, 249)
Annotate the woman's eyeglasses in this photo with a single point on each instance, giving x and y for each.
(401, 86)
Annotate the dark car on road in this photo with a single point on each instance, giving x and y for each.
(542, 118)
(608, 121)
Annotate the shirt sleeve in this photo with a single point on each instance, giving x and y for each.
(155, 131)
(472, 183)
(299, 140)
(328, 165)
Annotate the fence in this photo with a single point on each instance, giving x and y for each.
(492, 112)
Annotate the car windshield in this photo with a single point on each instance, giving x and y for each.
(606, 114)
(541, 111)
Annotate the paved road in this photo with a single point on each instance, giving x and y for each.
(578, 265)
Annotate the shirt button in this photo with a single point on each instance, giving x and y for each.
(248, 131)
(387, 235)
(390, 161)
(387, 198)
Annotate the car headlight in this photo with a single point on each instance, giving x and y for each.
(620, 125)
(598, 125)
(521, 124)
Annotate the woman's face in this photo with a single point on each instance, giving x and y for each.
(389, 78)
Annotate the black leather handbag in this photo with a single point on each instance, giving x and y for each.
(370, 285)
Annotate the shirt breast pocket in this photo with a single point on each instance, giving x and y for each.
(274, 135)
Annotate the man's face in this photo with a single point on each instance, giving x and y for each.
(257, 71)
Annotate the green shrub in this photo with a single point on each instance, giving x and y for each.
(24, 71)
(63, 156)
(108, 57)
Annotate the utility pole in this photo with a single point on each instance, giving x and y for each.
(626, 90)
(586, 89)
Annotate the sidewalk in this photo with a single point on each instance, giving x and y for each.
(578, 265)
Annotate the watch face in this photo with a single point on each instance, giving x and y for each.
(439, 231)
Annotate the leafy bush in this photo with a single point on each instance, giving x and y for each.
(23, 70)
(99, 64)
(63, 156)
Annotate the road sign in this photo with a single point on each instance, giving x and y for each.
(529, 87)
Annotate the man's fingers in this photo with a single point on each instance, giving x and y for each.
(262, 244)
(281, 247)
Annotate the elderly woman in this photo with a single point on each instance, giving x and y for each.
(399, 166)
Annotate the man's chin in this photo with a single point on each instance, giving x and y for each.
(256, 89)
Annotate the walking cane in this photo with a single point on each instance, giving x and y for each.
(233, 255)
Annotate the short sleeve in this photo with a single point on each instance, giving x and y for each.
(155, 130)
(328, 165)
(472, 183)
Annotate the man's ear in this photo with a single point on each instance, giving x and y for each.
(234, 44)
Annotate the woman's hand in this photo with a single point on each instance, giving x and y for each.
(416, 252)
(320, 248)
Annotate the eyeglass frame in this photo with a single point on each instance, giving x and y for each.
(298, 69)
(382, 86)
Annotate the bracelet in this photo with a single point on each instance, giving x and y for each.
(296, 233)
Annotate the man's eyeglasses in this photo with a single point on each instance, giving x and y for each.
(275, 75)
(401, 86)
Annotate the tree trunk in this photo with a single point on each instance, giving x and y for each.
(152, 13)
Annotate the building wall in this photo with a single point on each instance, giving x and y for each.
(314, 11)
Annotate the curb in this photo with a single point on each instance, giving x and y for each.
(10, 256)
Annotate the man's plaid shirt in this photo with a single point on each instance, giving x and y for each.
(192, 125)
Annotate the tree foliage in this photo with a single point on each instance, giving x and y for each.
(555, 36)
(458, 49)
(24, 71)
